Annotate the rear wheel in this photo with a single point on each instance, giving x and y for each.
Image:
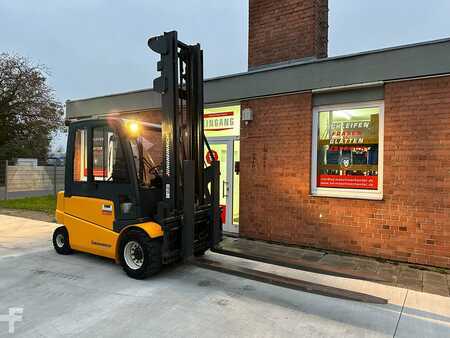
(140, 256)
(61, 241)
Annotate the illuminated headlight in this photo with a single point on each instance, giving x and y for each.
(133, 128)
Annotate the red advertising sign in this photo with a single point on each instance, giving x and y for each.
(219, 121)
(348, 182)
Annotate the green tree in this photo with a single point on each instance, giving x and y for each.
(29, 111)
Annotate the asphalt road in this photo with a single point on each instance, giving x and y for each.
(86, 296)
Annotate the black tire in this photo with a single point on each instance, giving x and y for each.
(148, 252)
(61, 241)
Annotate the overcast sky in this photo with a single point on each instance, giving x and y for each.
(97, 47)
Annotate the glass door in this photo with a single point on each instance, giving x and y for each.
(223, 152)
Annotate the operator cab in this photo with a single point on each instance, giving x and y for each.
(117, 160)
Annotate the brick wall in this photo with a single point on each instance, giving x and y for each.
(411, 224)
(417, 169)
(286, 30)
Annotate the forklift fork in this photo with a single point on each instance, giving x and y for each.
(192, 219)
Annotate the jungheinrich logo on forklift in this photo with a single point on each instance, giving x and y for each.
(167, 156)
(105, 245)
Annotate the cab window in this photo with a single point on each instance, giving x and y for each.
(109, 164)
(147, 156)
(80, 156)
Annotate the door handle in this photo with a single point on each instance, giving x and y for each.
(107, 208)
(224, 189)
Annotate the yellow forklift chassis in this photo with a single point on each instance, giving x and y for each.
(94, 232)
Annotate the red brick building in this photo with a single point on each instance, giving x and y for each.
(348, 153)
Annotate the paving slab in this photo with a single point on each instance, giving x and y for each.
(345, 262)
(388, 273)
(293, 257)
(425, 315)
(409, 278)
(434, 282)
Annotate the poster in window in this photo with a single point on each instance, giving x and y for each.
(347, 155)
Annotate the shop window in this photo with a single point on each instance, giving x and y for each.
(109, 164)
(80, 156)
(347, 151)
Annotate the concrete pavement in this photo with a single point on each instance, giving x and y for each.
(88, 296)
(22, 235)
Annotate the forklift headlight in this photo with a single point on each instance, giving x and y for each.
(133, 129)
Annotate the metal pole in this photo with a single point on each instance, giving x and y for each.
(6, 179)
(188, 229)
(54, 179)
(216, 235)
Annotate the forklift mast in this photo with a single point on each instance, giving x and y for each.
(189, 189)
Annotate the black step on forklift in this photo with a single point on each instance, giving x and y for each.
(145, 210)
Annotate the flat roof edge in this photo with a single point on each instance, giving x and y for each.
(331, 58)
(136, 91)
(394, 63)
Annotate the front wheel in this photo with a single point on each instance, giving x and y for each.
(61, 241)
(140, 256)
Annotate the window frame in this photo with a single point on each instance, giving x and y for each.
(102, 128)
(85, 159)
(105, 149)
(342, 192)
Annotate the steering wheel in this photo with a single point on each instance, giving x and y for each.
(155, 169)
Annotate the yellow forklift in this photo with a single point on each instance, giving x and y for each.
(142, 194)
(137, 192)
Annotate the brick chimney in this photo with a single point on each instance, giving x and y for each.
(286, 30)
